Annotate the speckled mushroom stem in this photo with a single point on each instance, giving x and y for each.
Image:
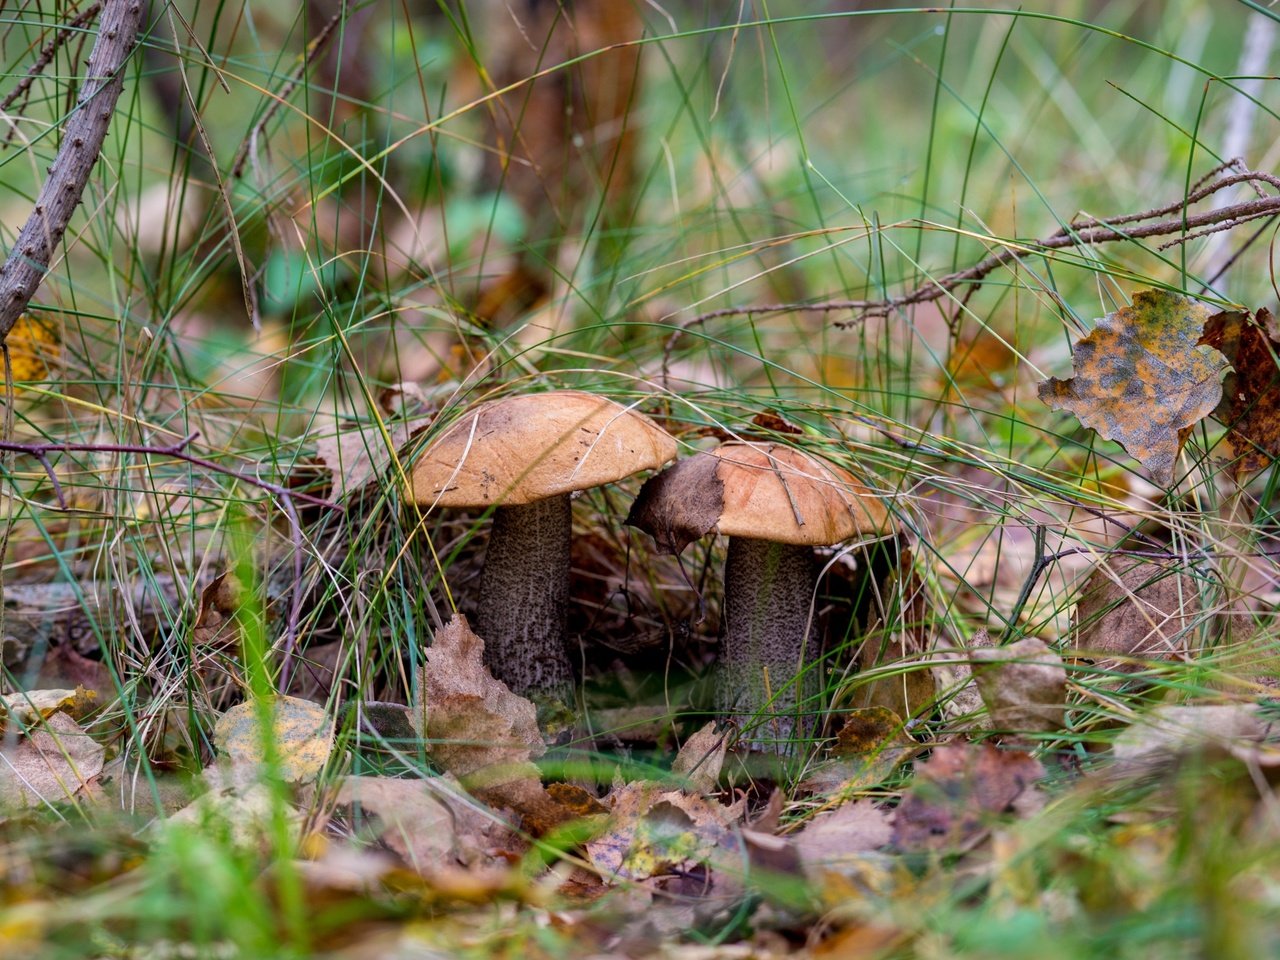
(524, 596)
(768, 590)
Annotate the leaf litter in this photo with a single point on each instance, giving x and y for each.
(1143, 378)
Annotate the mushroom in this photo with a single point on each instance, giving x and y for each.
(775, 504)
(524, 456)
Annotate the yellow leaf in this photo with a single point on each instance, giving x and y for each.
(33, 345)
(301, 733)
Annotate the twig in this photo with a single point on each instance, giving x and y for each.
(45, 57)
(314, 49)
(86, 128)
(1079, 233)
(41, 451)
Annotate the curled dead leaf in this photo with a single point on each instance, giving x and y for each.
(1133, 610)
(481, 732)
(1250, 407)
(700, 759)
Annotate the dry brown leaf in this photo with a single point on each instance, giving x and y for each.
(479, 731)
(1250, 406)
(871, 744)
(958, 793)
(54, 763)
(963, 702)
(1131, 610)
(1143, 378)
(28, 708)
(301, 735)
(407, 818)
(654, 831)
(700, 759)
(1024, 686)
(215, 621)
(835, 837)
(1170, 729)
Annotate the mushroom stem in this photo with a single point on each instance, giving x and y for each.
(768, 592)
(524, 594)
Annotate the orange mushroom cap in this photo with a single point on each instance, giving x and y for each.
(521, 449)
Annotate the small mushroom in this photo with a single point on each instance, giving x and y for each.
(524, 456)
(775, 504)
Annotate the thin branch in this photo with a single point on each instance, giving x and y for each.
(1087, 232)
(82, 137)
(45, 57)
(40, 452)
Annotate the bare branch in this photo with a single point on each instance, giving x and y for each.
(82, 137)
(1178, 223)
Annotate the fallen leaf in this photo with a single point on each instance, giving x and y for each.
(244, 815)
(215, 620)
(835, 837)
(700, 759)
(30, 707)
(774, 422)
(959, 697)
(960, 791)
(1173, 728)
(33, 345)
(654, 831)
(1133, 610)
(1250, 407)
(1143, 378)
(403, 815)
(480, 731)
(872, 743)
(1024, 686)
(301, 735)
(674, 522)
(53, 763)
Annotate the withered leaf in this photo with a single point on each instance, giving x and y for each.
(701, 758)
(841, 834)
(219, 601)
(481, 732)
(871, 744)
(675, 521)
(1143, 378)
(29, 707)
(1135, 610)
(1024, 686)
(654, 830)
(1250, 406)
(959, 791)
(301, 736)
(53, 764)
(1170, 729)
(774, 422)
(406, 817)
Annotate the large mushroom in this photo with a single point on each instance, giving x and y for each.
(524, 456)
(775, 504)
